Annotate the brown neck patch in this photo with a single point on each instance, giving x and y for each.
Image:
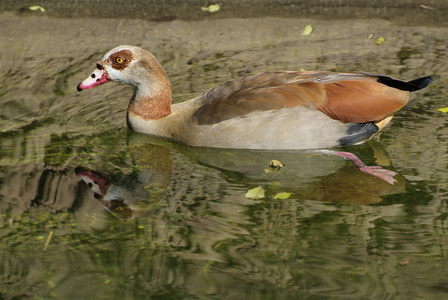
(152, 108)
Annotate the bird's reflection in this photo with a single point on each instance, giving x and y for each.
(131, 195)
(310, 175)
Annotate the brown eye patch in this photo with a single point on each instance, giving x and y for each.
(121, 59)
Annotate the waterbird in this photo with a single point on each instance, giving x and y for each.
(269, 110)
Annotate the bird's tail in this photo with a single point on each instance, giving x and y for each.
(411, 86)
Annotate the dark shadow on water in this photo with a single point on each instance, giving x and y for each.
(307, 175)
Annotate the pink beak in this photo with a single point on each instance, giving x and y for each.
(95, 181)
(98, 77)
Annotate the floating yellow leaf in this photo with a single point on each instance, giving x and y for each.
(275, 164)
(47, 242)
(379, 40)
(427, 7)
(282, 195)
(444, 109)
(307, 30)
(255, 193)
(211, 8)
(37, 7)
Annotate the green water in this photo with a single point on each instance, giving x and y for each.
(182, 227)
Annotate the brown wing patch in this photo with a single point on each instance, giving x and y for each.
(244, 101)
(360, 101)
(348, 97)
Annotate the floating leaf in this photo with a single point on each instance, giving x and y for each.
(427, 7)
(282, 195)
(255, 193)
(379, 40)
(214, 7)
(275, 164)
(211, 8)
(37, 7)
(444, 109)
(47, 242)
(307, 30)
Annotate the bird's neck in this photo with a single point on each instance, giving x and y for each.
(153, 104)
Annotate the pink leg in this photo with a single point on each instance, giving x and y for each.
(377, 171)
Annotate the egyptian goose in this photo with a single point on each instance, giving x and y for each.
(271, 110)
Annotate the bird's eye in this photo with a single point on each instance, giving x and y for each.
(119, 60)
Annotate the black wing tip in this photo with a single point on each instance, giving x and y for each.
(421, 83)
(410, 86)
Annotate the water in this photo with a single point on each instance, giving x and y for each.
(178, 224)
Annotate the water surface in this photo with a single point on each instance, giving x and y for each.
(192, 233)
